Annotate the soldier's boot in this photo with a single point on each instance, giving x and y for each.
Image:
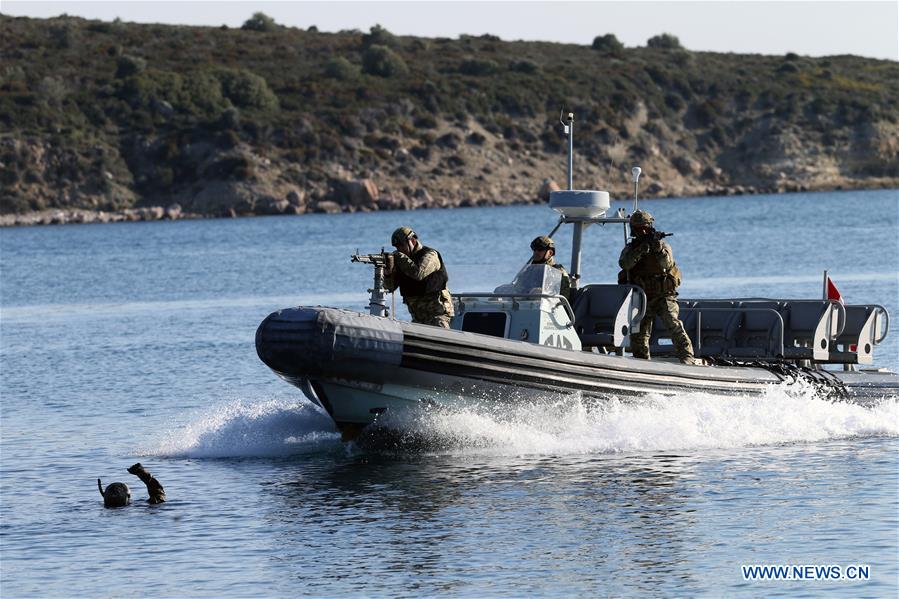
(440, 321)
(640, 347)
(684, 347)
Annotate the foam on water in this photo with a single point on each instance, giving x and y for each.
(268, 428)
(785, 414)
(570, 425)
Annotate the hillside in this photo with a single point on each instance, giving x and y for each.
(266, 119)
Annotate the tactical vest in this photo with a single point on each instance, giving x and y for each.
(654, 279)
(431, 285)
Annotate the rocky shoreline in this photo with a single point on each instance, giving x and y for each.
(364, 196)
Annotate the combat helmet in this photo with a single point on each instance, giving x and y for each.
(640, 218)
(543, 243)
(402, 235)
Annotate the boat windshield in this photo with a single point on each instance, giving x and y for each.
(534, 279)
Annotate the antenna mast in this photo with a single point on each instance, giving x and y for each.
(635, 175)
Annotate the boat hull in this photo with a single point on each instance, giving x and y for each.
(358, 366)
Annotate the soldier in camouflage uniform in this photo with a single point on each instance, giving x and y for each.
(420, 275)
(647, 261)
(544, 249)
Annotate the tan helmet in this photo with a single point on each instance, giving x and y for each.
(543, 243)
(401, 236)
(641, 217)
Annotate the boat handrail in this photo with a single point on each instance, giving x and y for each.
(886, 318)
(521, 296)
(840, 308)
(886, 327)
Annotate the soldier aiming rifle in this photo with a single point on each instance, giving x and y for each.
(648, 262)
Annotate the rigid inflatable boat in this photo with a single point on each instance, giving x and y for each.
(525, 341)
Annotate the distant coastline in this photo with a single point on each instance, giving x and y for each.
(107, 121)
(158, 213)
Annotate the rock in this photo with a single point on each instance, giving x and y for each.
(297, 197)
(272, 206)
(328, 207)
(546, 188)
(152, 213)
(392, 201)
(361, 192)
(654, 189)
(173, 211)
(686, 166)
(422, 197)
(224, 198)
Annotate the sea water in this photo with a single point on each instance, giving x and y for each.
(135, 342)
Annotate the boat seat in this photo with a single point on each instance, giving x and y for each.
(811, 327)
(760, 334)
(604, 315)
(713, 326)
(710, 324)
(660, 343)
(855, 345)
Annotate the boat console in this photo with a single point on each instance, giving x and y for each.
(529, 308)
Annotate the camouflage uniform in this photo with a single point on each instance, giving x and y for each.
(650, 265)
(434, 309)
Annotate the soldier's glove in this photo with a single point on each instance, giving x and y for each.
(390, 262)
(655, 245)
(135, 469)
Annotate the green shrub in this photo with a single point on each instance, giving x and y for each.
(63, 35)
(528, 67)
(425, 121)
(246, 89)
(260, 22)
(341, 69)
(204, 92)
(52, 91)
(608, 44)
(378, 36)
(664, 41)
(383, 62)
(478, 67)
(128, 65)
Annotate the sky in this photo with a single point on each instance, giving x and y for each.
(807, 27)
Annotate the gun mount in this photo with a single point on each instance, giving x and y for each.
(377, 304)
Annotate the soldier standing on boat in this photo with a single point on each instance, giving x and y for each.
(544, 249)
(648, 262)
(420, 275)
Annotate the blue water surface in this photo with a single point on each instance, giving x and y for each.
(135, 342)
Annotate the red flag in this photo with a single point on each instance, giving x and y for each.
(832, 292)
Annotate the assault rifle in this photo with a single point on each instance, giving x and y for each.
(377, 304)
(653, 235)
(657, 235)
